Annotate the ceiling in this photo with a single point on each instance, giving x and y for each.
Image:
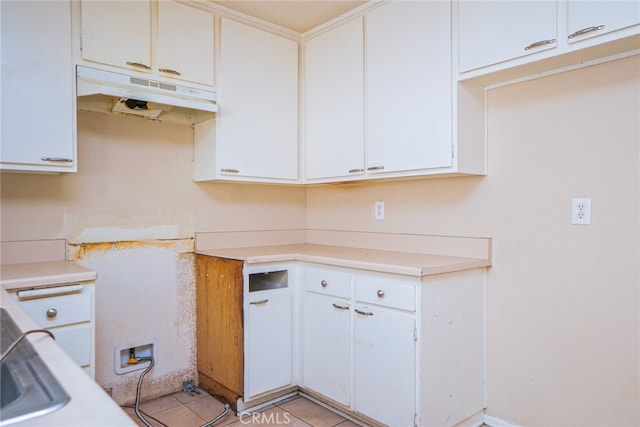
(296, 15)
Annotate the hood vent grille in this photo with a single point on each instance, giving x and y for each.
(151, 83)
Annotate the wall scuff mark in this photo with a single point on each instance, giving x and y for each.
(145, 290)
(79, 251)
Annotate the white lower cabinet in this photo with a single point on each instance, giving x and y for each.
(327, 346)
(67, 310)
(268, 330)
(394, 349)
(268, 357)
(327, 319)
(384, 364)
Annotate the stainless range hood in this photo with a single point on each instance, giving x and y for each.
(111, 92)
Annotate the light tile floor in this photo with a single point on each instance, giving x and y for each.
(181, 410)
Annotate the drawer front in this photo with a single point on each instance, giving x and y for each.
(387, 291)
(327, 281)
(61, 310)
(75, 340)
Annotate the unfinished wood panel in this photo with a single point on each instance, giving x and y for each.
(219, 290)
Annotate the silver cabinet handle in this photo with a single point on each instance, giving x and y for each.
(364, 313)
(380, 293)
(340, 307)
(323, 283)
(51, 313)
(229, 170)
(56, 159)
(355, 170)
(375, 168)
(540, 43)
(25, 294)
(138, 65)
(169, 71)
(262, 301)
(586, 30)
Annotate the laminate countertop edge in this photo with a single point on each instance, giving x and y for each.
(393, 262)
(15, 276)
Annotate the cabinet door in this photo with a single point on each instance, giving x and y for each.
(269, 347)
(258, 95)
(327, 346)
(185, 42)
(334, 102)
(384, 365)
(409, 89)
(587, 19)
(117, 33)
(38, 87)
(490, 32)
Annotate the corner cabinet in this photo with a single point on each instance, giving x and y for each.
(244, 330)
(334, 103)
(409, 88)
(38, 85)
(255, 135)
(380, 100)
(166, 39)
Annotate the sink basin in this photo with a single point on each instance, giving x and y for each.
(28, 389)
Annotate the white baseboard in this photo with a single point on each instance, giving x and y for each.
(475, 420)
(497, 422)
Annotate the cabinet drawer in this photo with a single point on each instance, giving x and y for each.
(327, 281)
(75, 340)
(73, 308)
(387, 291)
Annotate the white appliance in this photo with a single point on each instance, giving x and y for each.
(108, 91)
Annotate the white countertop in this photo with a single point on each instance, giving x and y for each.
(407, 263)
(13, 276)
(89, 405)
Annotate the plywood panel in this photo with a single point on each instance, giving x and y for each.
(219, 326)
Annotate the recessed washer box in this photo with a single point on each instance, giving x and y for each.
(122, 354)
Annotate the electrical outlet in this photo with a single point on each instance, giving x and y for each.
(581, 211)
(378, 210)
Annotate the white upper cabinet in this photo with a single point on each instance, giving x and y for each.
(490, 32)
(334, 102)
(255, 136)
(38, 119)
(167, 39)
(127, 45)
(507, 40)
(185, 42)
(587, 19)
(409, 90)
(402, 55)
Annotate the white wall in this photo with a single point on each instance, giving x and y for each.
(563, 300)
